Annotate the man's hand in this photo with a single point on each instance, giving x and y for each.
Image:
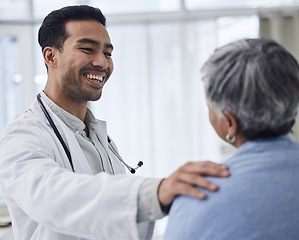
(184, 180)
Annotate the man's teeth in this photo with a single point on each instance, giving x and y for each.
(94, 77)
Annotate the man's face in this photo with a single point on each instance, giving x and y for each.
(84, 63)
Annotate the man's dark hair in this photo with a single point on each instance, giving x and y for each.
(52, 31)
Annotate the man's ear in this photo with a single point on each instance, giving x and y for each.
(49, 54)
(232, 123)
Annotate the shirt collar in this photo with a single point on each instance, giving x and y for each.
(74, 123)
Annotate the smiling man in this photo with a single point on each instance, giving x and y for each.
(78, 72)
(60, 173)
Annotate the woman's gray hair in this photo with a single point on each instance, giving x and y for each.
(257, 80)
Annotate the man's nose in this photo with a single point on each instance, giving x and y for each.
(100, 60)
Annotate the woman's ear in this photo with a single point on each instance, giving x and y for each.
(50, 57)
(232, 123)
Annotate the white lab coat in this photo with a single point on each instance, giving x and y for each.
(47, 201)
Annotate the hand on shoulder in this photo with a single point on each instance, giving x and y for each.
(184, 180)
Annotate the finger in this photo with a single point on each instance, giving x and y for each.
(184, 184)
(206, 168)
(196, 180)
(184, 189)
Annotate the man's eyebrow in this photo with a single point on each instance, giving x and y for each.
(109, 45)
(88, 40)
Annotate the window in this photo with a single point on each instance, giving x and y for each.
(41, 8)
(13, 10)
(11, 78)
(234, 4)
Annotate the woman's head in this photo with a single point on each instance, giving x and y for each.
(256, 80)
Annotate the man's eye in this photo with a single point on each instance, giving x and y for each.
(88, 50)
(108, 54)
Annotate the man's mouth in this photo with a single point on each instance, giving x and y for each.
(94, 77)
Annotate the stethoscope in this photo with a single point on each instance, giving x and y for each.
(110, 146)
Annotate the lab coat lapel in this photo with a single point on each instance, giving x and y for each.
(79, 161)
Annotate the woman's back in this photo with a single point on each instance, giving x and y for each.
(259, 200)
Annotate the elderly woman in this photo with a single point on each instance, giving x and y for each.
(252, 91)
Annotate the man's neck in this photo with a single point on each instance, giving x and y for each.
(75, 108)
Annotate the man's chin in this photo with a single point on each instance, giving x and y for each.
(95, 97)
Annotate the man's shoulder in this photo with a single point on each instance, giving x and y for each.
(30, 121)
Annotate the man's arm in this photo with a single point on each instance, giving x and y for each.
(156, 196)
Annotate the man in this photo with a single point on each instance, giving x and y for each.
(64, 180)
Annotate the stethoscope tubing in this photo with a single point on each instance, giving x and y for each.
(56, 131)
(110, 146)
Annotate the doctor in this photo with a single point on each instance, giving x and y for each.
(59, 171)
